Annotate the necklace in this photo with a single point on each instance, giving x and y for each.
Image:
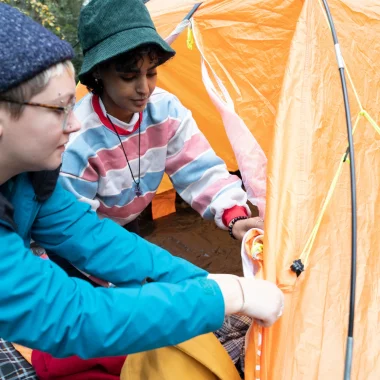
(138, 191)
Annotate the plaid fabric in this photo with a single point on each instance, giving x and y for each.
(232, 336)
(12, 365)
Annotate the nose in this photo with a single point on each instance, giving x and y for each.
(73, 124)
(142, 86)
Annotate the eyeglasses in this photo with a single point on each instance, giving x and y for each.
(66, 110)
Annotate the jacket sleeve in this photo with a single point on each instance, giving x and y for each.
(201, 177)
(102, 248)
(41, 307)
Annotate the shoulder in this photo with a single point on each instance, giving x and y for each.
(163, 105)
(84, 108)
(88, 118)
(90, 135)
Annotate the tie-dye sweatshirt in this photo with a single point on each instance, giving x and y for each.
(95, 168)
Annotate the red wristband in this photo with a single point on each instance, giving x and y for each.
(232, 213)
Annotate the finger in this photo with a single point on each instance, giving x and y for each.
(242, 226)
(247, 224)
(256, 222)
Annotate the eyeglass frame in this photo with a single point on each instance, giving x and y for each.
(66, 109)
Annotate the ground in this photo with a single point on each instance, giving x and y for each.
(187, 235)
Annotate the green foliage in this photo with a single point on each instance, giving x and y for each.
(59, 16)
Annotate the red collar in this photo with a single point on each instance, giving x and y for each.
(103, 118)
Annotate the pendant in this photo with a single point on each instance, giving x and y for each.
(138, 191)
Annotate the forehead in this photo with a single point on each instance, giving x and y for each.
(59, 85)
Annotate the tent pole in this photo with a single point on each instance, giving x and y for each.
(351, 318)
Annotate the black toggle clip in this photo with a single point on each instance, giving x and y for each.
(297, 267)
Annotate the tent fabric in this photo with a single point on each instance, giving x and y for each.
(279, 68)
(311, 127)
(276, 61)
(25, 352)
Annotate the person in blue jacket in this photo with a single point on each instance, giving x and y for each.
(41, 307)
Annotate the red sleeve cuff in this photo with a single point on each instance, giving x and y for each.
(233, 212)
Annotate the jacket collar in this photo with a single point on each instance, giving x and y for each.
(6, 212)
(43, 183)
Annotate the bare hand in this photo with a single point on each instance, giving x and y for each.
(240, 227)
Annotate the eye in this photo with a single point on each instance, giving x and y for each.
(128, 78)
(151, 75)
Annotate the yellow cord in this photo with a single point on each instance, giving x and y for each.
(371, 121)
(309, 244)
(362, 113)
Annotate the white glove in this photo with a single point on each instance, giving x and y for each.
(259, 299)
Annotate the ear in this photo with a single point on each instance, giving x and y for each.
(96, 73)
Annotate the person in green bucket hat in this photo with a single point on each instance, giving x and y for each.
(133, 132)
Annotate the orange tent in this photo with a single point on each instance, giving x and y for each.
(272, 65)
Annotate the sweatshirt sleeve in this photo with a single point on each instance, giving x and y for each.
(201, 177)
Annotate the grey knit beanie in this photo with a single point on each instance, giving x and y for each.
(26, 48)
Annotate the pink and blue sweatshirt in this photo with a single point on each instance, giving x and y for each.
(96, 171)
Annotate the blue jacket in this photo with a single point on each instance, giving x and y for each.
(41, 307)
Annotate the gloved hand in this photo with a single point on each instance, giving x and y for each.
(259, 299)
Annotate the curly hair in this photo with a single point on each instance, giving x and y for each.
(125, 62)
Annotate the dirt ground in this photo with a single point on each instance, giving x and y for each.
(187, 235)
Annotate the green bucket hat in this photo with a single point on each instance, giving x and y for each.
(108, 28)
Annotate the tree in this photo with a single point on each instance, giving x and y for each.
(66, 14)
(39, 11)
(59, 16)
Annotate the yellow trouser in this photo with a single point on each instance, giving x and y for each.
(200, 358)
